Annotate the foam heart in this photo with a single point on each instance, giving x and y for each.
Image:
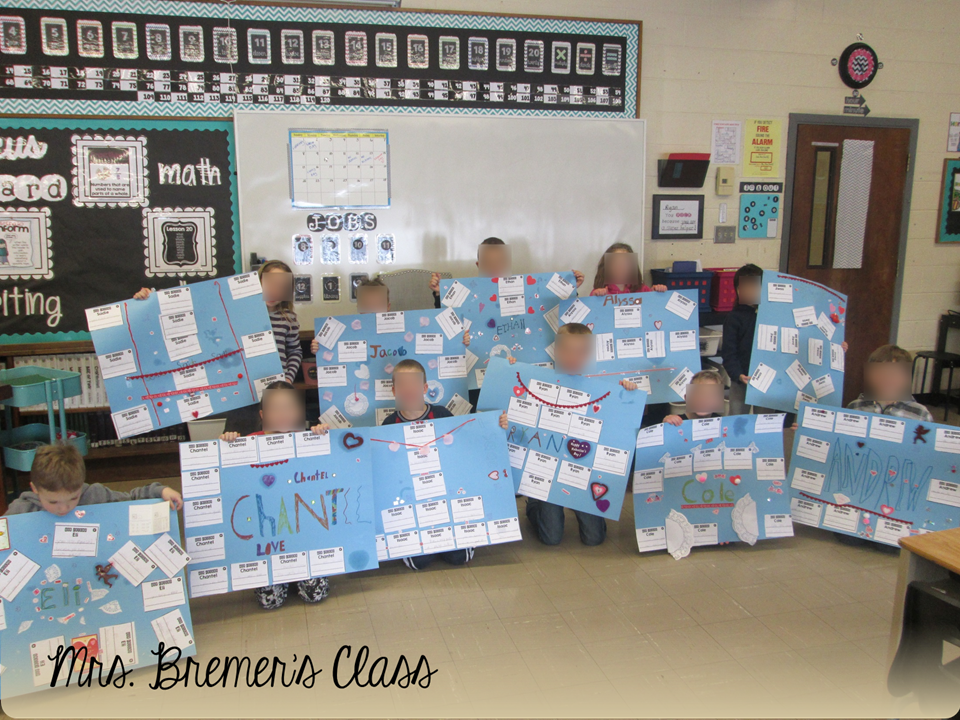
(424, 322)
(892, 472)
(658, 324)
(481, 306)
(866, 519)
(735, 479)
(596, 408)
(356, 324)
(886, 509)
(603, 505)
(491, 323)
(80, 513)
(493, 298)
(598, 490)
(873, 472)
(408, 337)
(590, 325)
(394, 446)
(835, 318)
(530, 311)
(327, 355)
(842, 310)
(701, 477)
(531, 280)
(518, 390)
(495, 475)
(44, 539)
(268, 480)
(196, 414)
(860, 444)
(578, 448)
(351, 441)
(110, 537)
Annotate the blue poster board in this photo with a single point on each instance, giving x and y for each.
(577, 431)
(797, 347)
(650, 338)
(442, 485)
(52, 594)
(710, 482)
(874, 476)
(184, 353)
(358, 353)
(515, 316)
(270, 509)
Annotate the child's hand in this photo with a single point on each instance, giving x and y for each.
(794, 426)
(598, 291)
(321, 429)
(628, 385)
(230, 436)
(745, 379)
(659, 288)
(511, 360)
(435, 282)
(579, 276)
(844, 346)
(466, 338)
(172, 497)
(142, 294)
(314, 346)
(503, 420)
(673, 420)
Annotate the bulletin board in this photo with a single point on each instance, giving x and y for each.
(93, 210)
(195, 58)
(543, 185)
(710, 481)
(876, 477)
(442, 485)
(270, 509)
(357, 355)
(108, 578)
(649, 338)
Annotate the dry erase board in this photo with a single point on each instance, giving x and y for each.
(558, 190)
(91, 211)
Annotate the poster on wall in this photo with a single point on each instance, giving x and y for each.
(760, 209)
(948, 219)
(677, 217)
(761, 149)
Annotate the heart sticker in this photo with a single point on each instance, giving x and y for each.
(327, 355)
(530, 311)
(495, 475)
(481, 306)
(394, 446)
(841, 498)
(892, 472)
(735, 479)
(518, 390)
(578, 448)
(196, 414)
(268, 480)
(44, 539)
(590, 325)
(531, 280)
(873, 472)
(351, 441)
(110, 537)
(886, 509)
(658, 324)
(603, 505)
(596, 408)
(491, 323)
(493, 298)
(701, 477)
(835, 318)
(860, 444)
(80, 513)
(598, 490)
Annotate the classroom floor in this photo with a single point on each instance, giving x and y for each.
(793, 627)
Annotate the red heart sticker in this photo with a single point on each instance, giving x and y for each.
(886, 509)
(892, 472)
(735, 479)
(530, 310)
(842, 310)
(493, 298)
(835, 318)
(658, 324)
(531, 280)
(596, 408)
(598, 490)
(518, 390)
(196, 414)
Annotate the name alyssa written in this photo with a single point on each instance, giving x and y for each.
(237, 671)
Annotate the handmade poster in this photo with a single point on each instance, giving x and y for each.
(649, 338)
(184, 353)
(271, 509)
(358, 353)
(798, 351)
(710, 481)
(106, 581)
(442, 485)
(761, 148)
(874, 476)
(570, 438)
(760, 209)
(513, 316)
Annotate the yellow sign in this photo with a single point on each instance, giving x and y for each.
(761, 148)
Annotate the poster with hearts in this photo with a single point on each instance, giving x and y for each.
(271, 509)
(442, 485)
(798, 353)
(876, 477)
(710, 481)
(511, 317)
(357, 355)
(570, 438)
(649, 338)
(184, 353)
(98, 584)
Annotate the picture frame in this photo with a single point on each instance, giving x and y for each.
(948, 214)
(673, 217)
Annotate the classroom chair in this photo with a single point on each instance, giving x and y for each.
(941, 360)
(410, 289)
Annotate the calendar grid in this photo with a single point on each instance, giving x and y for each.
(340, 168)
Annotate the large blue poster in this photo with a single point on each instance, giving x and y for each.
(570, 438)
(710, 481)
(874, 476)
(650, 338)
(271, 509)
(514, 316)
(442, 485)
(798, 351)
(184, 353)
(358, 353)
(105, 580)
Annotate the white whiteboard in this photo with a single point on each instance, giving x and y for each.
(557, 190)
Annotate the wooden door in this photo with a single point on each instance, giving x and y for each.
(812, 241)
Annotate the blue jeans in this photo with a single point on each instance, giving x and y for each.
(547, 518)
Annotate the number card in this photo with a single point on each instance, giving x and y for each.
(873, 476)
(358, 353)
(710, 481)
(87, 610)
(509, 317)
(571, 439)
(442, 485)
(624, 326)
(298, 506)
(184, 353)
(808, 362)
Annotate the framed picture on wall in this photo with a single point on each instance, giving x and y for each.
(948, 219)
(677, 217)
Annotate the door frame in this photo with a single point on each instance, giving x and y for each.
(911, 124)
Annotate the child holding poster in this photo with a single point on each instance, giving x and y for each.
(282, 411)
(619, 272)
(58, 485)
(738, 331)
(704, 398)
(888, 380)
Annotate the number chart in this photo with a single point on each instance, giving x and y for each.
(340, 168)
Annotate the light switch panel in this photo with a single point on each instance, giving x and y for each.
(724, 234)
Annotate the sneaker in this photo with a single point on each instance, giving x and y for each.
(271, 597)
(313, 590)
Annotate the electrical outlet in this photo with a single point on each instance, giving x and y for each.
(724, 234)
